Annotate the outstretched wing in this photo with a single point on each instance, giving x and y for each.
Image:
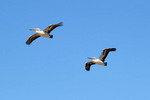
(51, 27)
(105, 53)
(31, 38)
(88, 64)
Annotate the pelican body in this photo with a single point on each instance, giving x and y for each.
(100, 60)
(42, 33)
(97, 61)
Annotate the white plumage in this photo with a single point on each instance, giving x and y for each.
(42, 33)
(100, 60)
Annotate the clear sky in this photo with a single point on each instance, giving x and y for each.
(54, 69)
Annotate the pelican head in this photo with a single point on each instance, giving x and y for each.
(93, 58)
(36, 29)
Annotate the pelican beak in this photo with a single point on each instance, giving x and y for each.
(32, 29)
(89, 57)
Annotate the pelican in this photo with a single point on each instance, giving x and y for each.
(42, 33)
(100, 60)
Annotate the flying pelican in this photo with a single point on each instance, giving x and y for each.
(42, 33)
(100, 60)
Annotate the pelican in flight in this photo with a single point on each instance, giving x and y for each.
(100, 60)
(42, 33)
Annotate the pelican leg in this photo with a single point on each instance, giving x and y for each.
(51, 36)
(105, 64)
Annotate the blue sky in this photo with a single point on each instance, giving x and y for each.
(53, 69)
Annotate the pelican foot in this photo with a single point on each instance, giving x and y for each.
(105, 64)
(51, 36)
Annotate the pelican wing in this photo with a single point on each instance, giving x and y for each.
(88, 64)
(105, 53)
(31, 38)
(51, 27)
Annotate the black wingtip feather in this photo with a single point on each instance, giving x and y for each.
(61, 23)
(87, 67)
(112, 49)
(27, 43)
